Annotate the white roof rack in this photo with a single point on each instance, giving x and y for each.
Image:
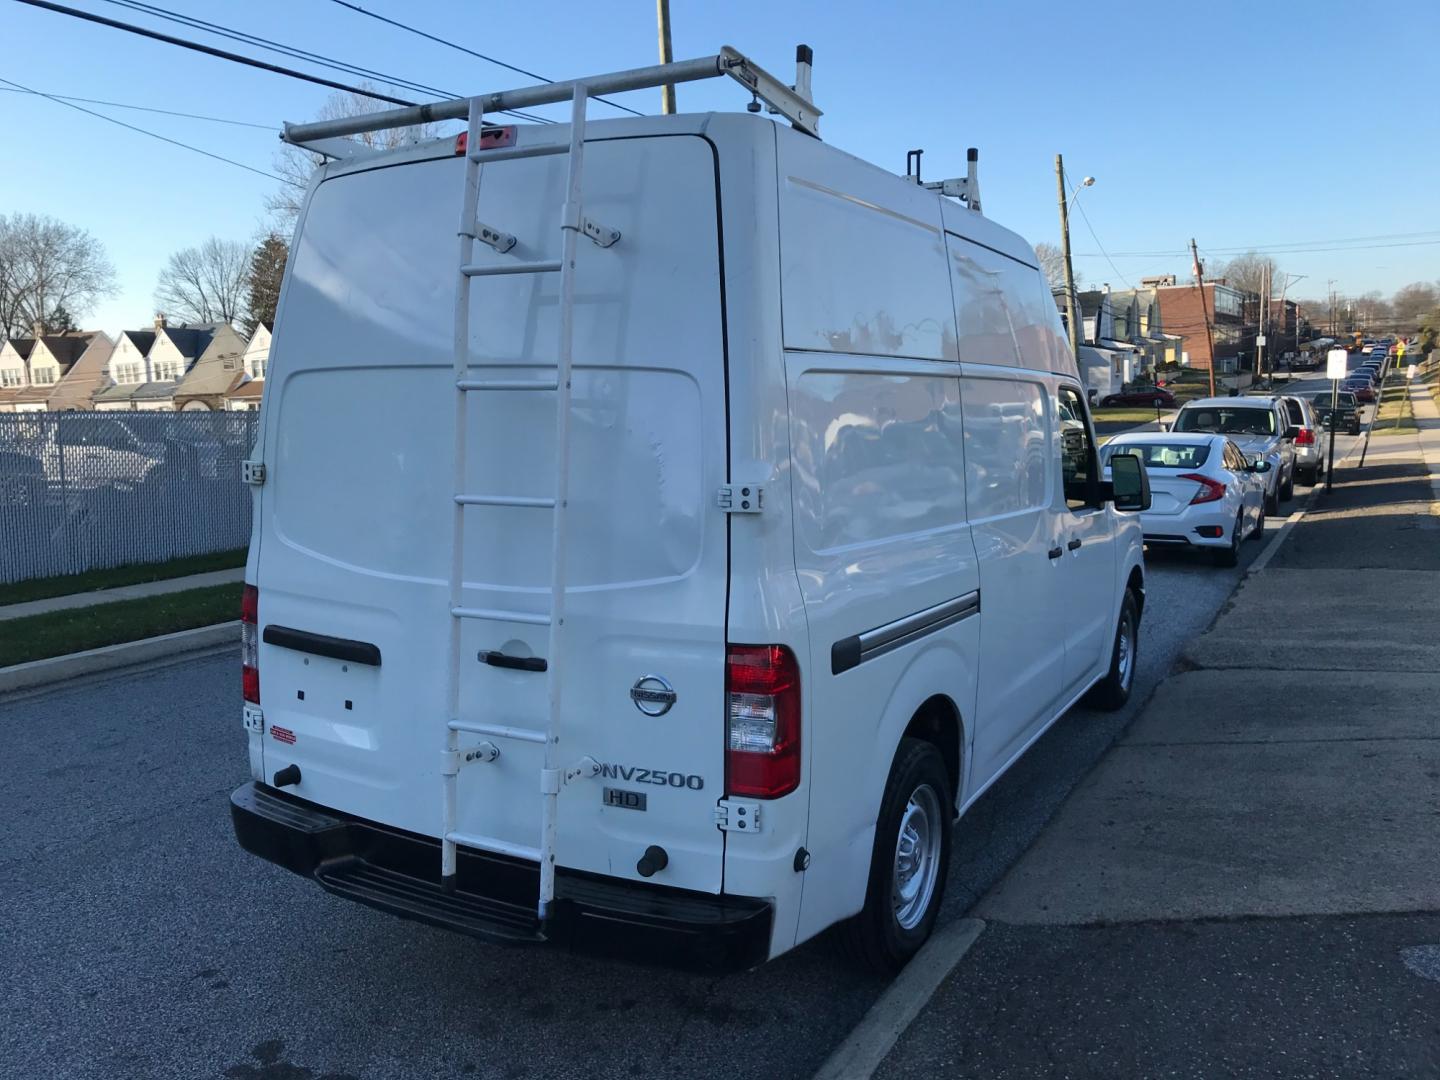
(788, 101)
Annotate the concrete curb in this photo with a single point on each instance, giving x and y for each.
(166, 647)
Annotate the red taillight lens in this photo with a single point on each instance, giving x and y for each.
(1210, 490)
(250, 644)
(762, 721)
(1305, 438)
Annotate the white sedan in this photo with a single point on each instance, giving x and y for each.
(1204, 492)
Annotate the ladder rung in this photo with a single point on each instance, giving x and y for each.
(498, 731)
(506, 384)
(495, 844)
(505, 500)
(510, 153)
(548, 266)
(500, 615)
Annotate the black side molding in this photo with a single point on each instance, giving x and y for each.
(337, 648)
(854, 650)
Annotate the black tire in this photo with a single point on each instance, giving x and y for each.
(1113, 691)
(1230, 556)
(1287, 488)
(875, 938)
(1272, 502)
(1259, 533)
(1108, 402)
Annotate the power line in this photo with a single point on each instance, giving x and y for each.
(143, 131)
(1086, 217)
(1289, 246)
(470, 52)
(1222, 252)
(209, 50)
(140, 108)
(292, 51)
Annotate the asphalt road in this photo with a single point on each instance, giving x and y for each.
(139, 941)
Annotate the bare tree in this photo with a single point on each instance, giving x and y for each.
(47, 266)
(205, 284)
(1250, 272)
(1413, 302)
(1052, 262)
(295, 166)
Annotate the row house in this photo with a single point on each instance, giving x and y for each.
(1185, 308)
(52, 372)
(166, 368)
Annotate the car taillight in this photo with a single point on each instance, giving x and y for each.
(1305, 438)
(250, 644)
(1210, 490)
(762, 721)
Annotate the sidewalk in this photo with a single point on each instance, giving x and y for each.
(1247, 883)
(125, 592)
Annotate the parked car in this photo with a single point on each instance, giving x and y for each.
(1361, 384)
(1260, 426)
(772, 596)
(1346, 411)
(1144, 396)
(22, 479)
(1309, 453)
(1204, 493)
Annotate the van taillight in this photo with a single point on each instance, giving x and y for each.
(491, 138)
(762, 721)
(250, 643)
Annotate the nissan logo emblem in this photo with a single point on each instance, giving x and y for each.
(652, 695)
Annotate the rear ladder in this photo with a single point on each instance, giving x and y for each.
(552, 777)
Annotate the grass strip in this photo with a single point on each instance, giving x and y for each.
(115, 577)
(1122, 415)
(37, 637)
(1396, 415)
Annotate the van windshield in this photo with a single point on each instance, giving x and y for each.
(1227, 420)
(1164, 455)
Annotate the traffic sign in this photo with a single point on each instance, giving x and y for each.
(1410, 372)
(1335, 363)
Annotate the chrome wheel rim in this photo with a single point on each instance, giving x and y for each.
(917, 857)
(1125, 652)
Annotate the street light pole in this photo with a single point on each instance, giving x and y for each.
(667, 55)
(1072, 305)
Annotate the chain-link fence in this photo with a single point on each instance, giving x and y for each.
(84, 490)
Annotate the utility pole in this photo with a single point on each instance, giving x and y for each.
(1072, 306)
(667, 55)
(1260, 338)
(1205, 310)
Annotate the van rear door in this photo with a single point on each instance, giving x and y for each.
(355, 512)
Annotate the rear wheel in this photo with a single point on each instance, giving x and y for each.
(1230, 556)
(1287, 489)
(1113, 691)
(908, 864)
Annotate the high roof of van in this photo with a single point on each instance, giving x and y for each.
(725, 130)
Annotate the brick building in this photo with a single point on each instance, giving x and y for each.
(1181, 313)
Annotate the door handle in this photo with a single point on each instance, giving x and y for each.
(1056, 552)
(1074, 545)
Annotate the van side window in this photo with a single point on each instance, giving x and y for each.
(1077, 451)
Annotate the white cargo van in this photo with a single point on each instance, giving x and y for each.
(661, 570)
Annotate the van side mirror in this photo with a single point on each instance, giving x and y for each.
(1292, 433)
(1129, 482)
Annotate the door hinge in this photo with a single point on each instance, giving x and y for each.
(253, 719)
(741, 498)
(252, 472)
(738, 815)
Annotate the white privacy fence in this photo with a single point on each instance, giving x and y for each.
(85, 490)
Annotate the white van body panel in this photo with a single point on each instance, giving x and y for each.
(882, 361)
(360, 405)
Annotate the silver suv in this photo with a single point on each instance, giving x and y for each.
(1260, 427)
(1309, 453)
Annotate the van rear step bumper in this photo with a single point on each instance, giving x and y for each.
(399, 872)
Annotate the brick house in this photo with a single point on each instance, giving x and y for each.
(1182, 314)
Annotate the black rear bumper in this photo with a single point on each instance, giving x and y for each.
(399, 872)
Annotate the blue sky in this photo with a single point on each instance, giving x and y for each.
(1241, 124)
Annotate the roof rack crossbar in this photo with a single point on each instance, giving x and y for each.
(782, 98)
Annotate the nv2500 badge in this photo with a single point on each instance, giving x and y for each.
(661, 778)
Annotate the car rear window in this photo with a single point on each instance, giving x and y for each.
(1227, 420)
(1166, 455)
